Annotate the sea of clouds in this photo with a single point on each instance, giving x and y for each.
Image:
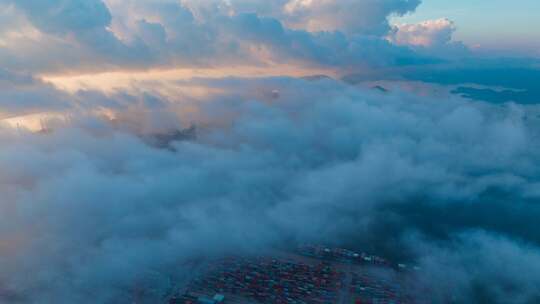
(90, 207)
(106, 202)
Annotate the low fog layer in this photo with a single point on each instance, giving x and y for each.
(92, 209)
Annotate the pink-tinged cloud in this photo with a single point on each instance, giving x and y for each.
(351, 16)
(429, 33)
(129, 34)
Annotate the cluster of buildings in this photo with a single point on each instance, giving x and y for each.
(367, 288)
(312, 274)
(266, 280)
(195, 298)
(341, 255)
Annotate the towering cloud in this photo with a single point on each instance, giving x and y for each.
(355, 17)
(428, 33)
(430, 37)
(135, 34)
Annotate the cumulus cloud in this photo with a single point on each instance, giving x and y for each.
(430, 37)
(358, 17)
(135, 34)
(428, 33)
(64, 16)
(351, 17)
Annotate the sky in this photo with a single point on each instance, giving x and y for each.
(496, 25)
(137, 136)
